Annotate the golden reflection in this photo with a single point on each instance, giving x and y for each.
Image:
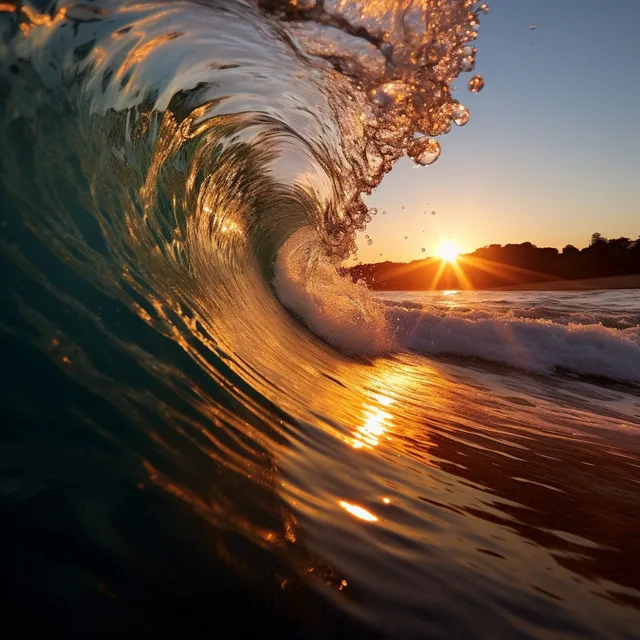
(376, 422)
(359, 512)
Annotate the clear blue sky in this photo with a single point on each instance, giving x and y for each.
(552, 151)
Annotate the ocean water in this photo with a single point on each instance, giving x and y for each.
(205, 429)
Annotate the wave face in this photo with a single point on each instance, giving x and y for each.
(204, 407)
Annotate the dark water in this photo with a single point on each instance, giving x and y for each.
(205, 429)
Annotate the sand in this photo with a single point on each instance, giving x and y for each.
(614, 282)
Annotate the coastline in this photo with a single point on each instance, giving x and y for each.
(590, 284)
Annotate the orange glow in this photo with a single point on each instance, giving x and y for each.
(448, 252)
(358, 512)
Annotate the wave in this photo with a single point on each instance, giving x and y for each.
(222, 149)
(180, 184)
(164, 163)
(539, 345)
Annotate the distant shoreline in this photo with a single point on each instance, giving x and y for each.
(590, 284)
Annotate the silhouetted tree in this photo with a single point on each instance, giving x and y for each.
(496, 265)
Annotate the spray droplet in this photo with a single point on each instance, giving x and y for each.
(468, 64)
(461, 115)
(533, 26)
(476, 84)
(373, 211)
(424, 151)
(484, 7)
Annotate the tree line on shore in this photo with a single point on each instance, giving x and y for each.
(502, 265)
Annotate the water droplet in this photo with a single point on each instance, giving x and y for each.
(384, 213)
(468, 64)
(484, 7)
(476, 84)
(423, 250)
(468, 58)
(433, 213)
(461, 115)
(406, 237)
(533, 26)
(373, 211)
(369, 241)
(403, 206)
(367, 237)
(424, 151)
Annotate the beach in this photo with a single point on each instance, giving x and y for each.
(590, 284)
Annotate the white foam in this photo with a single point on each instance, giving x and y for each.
(341, 312)
(537, 345)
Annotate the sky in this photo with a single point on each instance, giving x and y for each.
(552, 151)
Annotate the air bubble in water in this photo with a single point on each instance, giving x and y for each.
(476, 84)
(369, 241)
(424, 151)
(461, 115)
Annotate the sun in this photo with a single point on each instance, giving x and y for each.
(448, 252)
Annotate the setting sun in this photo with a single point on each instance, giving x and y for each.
(448, 251)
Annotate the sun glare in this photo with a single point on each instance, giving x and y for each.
(448, 252)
